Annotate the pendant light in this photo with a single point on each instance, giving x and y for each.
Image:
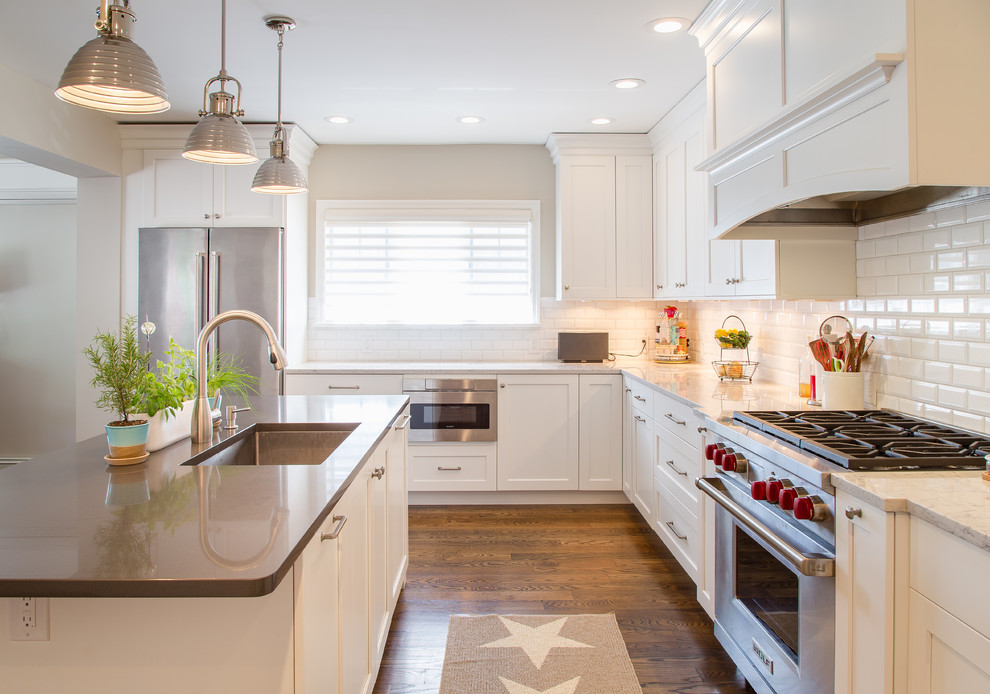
(279, 175)
(219, 138)
(111, 73)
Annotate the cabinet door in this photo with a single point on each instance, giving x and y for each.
(628, 470)
(353, 552)
(397, 543)
(642, 448)
(234, 204)
(538, 432)
(671, 247)
(600, 426)
(722, 267)
(177, 192)
(586, 226)
(945, 655)
(695, 207)
(864, 598)
(758, 268)
(378, 583)
(316, 615)
(634, 227)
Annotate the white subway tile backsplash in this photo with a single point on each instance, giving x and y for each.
(979, 305)
(886, 286)
(897, 265)
(936, 239)
(978, 211)
(952, 351)
(924, 392)
(967, 282)
(978, 257)
(922, 262)
(924, 349)
(908, 243)
(936, 283)
(950, 216)
(951, 305)
(938, 328)
(938, 372)
(921, 222)
(951, 260)
(967, 235)
(949, 396)
(910, 284)
(963, 329)
(886, 246)
(966, 376)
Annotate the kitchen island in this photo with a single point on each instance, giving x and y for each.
(224, 576)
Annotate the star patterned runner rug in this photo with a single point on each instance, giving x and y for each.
(537, 654)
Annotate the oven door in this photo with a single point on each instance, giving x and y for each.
(452, 416)
(774, 596)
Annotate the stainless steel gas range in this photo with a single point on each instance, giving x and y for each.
(775, 527)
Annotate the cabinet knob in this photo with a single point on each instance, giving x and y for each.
(206, 215)
(853, 512)
(659, 286)
(728, 280)
(567, 287)
(216, 216)
(501, 385)
(379, 471)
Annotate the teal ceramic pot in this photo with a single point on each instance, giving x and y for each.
(127, 442)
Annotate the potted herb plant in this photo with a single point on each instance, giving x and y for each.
(119, 366)
(166, 396)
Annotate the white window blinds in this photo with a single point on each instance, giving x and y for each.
(430, 264)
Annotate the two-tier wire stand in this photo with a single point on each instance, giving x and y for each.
(734, 369)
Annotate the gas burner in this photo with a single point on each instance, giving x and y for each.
(872, 439)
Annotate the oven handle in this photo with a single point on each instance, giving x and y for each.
(807, 564)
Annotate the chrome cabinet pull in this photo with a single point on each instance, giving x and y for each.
(853, 512)
(405, 421)
(449, 469)
(378, 473)
(674, 468)
(332, 535)
(675, 421)
(819, 565)
(628, 390)
(670, 524)
(333, 387)
(639, 398)
(638, 418)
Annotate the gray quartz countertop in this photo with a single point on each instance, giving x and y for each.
(955, 501)
(73, 526)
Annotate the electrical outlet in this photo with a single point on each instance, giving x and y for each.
(534, 344)
(28, 619)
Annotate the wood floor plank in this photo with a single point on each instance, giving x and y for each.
(552, 560)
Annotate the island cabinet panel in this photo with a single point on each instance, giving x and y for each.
(378, 583)
(397, 482)
(157, 646)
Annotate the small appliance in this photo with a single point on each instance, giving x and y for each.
(582, 347)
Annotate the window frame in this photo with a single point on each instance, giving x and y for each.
(372, 211)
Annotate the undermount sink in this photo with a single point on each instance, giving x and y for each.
(277, 444)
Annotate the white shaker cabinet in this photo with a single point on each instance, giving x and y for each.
(180, 192)
(604, 216)
(864, 597)
(538, 432)
(638, 474)
(600, 427)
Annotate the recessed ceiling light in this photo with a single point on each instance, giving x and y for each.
(668, 25)
(601, 121)
(337, 120)
(628, 83)
(470, 120)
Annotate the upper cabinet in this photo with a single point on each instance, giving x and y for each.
(809, 99)
(604, 216)
(174, 191)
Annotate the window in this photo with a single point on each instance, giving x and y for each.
(430, 263)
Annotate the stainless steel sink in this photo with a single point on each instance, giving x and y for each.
(277, 444)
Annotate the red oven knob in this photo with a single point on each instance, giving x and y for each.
(719, 456)
(789, 496)
(758, 490)
(811, 508)
(734, 462)
(774, 487)
(710, 450)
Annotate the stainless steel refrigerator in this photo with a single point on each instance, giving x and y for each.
(188, 275)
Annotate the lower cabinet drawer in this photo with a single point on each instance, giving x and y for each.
(677, 418)
(679, 529)
(457, 467)
(679, 464)
(343, 384)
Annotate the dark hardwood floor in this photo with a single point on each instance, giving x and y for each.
(552, 560)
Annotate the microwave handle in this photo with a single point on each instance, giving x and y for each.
(807, 564)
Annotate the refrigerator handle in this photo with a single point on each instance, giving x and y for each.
(215, 295)
(201, 285)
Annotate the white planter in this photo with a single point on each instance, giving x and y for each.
(163, 432)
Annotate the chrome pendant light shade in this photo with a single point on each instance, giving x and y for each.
(219, 137)
(279, 175)
(111, 73)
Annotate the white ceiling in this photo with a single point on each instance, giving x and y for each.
(403, 70)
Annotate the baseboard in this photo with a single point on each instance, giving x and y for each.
(495, 498)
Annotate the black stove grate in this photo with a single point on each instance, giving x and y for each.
(872, 439)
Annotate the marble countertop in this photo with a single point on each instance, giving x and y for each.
(955, 501)
(73, 526)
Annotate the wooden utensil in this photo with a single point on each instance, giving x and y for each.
(819, 350)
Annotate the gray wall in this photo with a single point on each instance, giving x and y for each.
(37, 328)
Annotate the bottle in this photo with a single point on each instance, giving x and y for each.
(807, 376)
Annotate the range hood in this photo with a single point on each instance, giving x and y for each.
(841, 214)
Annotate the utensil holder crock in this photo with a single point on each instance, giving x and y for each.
(843, 390)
